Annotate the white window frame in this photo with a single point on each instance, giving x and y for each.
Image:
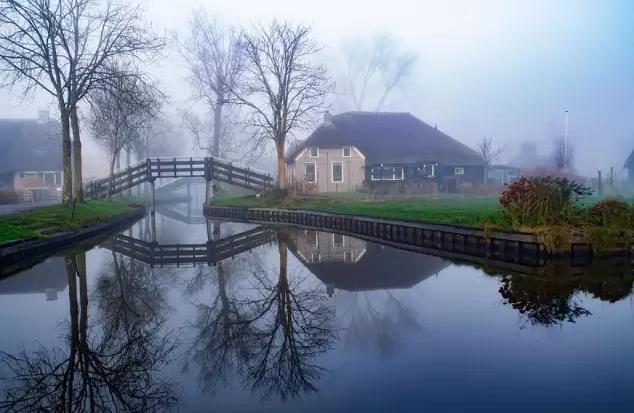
(402, 178)
(316, 239)
(343, 152)
(348, 257)
(458, 170)
(343, 241)
(332, 172)
(305, 174)
(312, 258)
(310, 152)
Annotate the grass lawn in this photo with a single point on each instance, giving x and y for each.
(45, 221)
(458, 210)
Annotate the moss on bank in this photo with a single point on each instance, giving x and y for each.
(46, 221)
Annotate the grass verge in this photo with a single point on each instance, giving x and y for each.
(45, 221)
(466, 211)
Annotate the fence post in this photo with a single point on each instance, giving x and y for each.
(174, 160)
(208, 176)
(230, 173)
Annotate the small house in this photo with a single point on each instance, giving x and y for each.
(381, 151)
(30, 157)
(500, 175)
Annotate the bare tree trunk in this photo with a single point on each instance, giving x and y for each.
(128, 161)
(281, 166)
(217, 128)
(111, 186)
(67, 190)
(78, 189)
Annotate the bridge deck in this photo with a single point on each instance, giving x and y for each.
(210, 169)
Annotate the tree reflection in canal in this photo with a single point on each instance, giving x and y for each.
(553, 296)
(116, 369)
(270, 336)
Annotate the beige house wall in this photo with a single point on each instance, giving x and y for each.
(353, 169)
(322, 247)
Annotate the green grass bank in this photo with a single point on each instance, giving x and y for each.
(49, 220)
(458, 210)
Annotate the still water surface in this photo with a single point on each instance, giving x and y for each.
(310, 322)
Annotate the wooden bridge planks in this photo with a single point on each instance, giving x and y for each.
(152, 168)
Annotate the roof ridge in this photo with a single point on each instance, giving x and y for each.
(373, 113)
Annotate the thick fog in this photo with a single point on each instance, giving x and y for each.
(504, 69)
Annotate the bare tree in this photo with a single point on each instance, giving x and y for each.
(488, 151)
(119, 112)
(215, 59)
(378, 65)
(281, 88)
(563, 154)
(62, 47)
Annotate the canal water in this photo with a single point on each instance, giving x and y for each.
(293, 320)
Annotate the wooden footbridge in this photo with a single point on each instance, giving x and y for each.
(210, 253)
(209, 169)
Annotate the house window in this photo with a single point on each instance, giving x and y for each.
(314, 152)
(337, 172)
(429, 170)
(459, 171)
(311, 239)
(387, 173)
(347, 152)
(348, 257)
(315, 258)
(337, 240)
(310, 172)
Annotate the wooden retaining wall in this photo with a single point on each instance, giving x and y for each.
(461, 241)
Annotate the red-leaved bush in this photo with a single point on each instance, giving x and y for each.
(539, 201)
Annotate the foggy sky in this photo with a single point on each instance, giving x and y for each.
(506, 69)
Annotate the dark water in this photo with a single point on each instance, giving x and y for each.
(313, 322)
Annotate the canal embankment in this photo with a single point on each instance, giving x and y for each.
(30, 235)
(474, 227)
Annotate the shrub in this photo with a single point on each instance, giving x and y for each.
(540, 201)
(610, 213)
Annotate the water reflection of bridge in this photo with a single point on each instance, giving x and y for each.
(210, 253)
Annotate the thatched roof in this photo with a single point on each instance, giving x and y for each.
(389, 138)
(29, 145)
(380, 268)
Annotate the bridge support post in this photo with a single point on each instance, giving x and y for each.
(153, 198)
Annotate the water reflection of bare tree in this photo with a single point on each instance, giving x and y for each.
(95, 372)
(543, 301)
(129, 297)
(383, 327)
(270, 336)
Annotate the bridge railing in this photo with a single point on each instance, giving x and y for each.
(152, 168)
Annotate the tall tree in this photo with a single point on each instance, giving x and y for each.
(280, 86)
(120, 111)
(377, 65)
(488, 151)
(215, 60)
(563, 154)
(62, 47)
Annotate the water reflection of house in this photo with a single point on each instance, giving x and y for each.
(352, 264)
(48, 277)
